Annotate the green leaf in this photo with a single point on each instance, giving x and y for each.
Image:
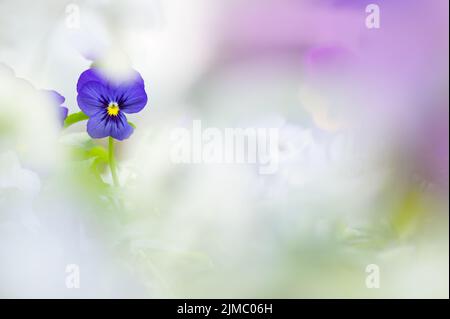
(132, 124)
(100, 152)
(75, 118)
(407, 214)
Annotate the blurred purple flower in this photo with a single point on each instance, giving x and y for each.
(432, 148)
(58, 100)
(286, 29)
(106, 102)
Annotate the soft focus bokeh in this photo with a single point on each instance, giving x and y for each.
(363, 175)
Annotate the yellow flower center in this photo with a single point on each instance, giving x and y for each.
(113, 109)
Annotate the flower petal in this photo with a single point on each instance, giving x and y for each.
(103, 125)
(63, 111)
(90, 75)
(93, 98)
(131, 99)
(133, 79)
(57, 98)
(96, 75)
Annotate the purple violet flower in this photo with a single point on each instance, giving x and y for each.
(105, 102)
(58, 100)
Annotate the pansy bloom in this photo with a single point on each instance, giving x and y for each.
(105, 102)
(58, 100)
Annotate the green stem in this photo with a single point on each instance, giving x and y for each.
(75, 118)
(112, 161)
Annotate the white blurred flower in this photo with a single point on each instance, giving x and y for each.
(28, 122)
(18, 189)
(12, 175)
